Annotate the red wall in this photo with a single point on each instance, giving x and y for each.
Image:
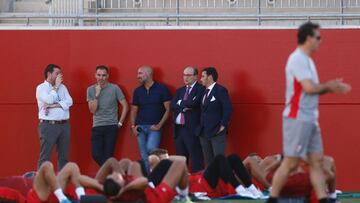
(251, 65)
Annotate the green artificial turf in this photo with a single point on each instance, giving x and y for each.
(348, 200)
(344, 200)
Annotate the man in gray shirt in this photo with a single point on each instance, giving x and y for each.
(103, 98)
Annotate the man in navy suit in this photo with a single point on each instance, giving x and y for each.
(186, 107)
(215, 115)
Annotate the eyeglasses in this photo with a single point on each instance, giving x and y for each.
(188, 75)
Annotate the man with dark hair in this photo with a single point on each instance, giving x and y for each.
(54, 102)
(111, 188)
(216, 110)
(186, 107)
(103, 99)
(150, 110)
(301, 131)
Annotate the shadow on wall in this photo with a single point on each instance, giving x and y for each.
(250, 114)
(167, 136)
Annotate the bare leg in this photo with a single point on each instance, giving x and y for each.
(288, 165)
(330, 173)
(316, 174)
(45, 181)
(175, 173)
(125, 165)
(184, 181)
(71, 173)
(107, 168)
(256, 171)
(267, 161)
(135, 169)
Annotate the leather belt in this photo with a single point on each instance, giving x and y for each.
(53, 121)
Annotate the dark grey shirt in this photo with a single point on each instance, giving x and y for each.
(107, 110)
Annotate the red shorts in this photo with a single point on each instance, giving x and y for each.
(11, 194)
(130, 195)
(70, 192)
(32, 197)
(160, 194)
(197, 183)
(230, 190)
(90, 191)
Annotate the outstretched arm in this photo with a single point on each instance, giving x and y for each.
(88, 182)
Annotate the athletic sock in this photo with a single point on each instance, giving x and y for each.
(272, 200)
(324, 200)
(333, 195)
(183, 192)
(79, 192)
(60, 195)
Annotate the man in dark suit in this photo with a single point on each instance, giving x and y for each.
(215, 115)
(186, 107)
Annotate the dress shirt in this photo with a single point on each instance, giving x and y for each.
(45, 94)
(178, 117)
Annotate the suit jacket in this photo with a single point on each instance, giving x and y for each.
(215, 112)
(192, 117)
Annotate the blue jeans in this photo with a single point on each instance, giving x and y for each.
(148, 140)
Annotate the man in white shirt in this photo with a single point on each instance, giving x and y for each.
(54, 102)
(186, 108)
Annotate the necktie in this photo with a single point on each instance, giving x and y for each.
(205, 95)
(186, 95)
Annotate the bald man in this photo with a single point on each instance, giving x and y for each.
(186, 108)
(149, 111)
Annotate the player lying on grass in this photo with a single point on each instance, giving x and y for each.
(123, 181)
(263, 169)
(218, 178)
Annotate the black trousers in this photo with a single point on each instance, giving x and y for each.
(188, 145)
(103, 141)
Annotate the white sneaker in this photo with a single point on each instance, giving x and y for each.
(240, 190)
(201, 195)
(183, 199)
(257, 193)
